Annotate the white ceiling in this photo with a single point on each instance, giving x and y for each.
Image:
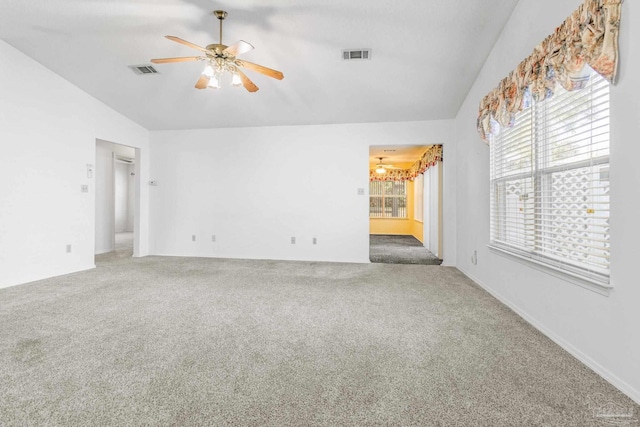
(425, 56)
(397, 155)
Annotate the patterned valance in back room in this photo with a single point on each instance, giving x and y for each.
(430, 157)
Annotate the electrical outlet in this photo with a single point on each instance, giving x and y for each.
(293, 240)
(84, 188)
(315, 241)
(213, 237)
(360, 191)
(193, 238)
(474, 258)
(68, 249)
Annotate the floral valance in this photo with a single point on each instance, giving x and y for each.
(588, 37)
(430, 157)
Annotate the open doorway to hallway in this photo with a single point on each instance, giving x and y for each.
(115, 198)
(405, 204)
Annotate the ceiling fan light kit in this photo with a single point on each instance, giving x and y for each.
(382, 168)
(222, 61)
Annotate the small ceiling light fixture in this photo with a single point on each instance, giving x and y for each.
(236, 80)
(214, 83)
(380, 169)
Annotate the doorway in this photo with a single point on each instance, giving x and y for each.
(405, 210)
(115, 198)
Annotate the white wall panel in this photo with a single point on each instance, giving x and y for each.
(48, 132)
(601, 331)
(255, 188)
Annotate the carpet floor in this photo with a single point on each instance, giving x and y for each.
(392, 249)
(195, 341)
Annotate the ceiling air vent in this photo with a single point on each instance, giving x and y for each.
(143, 69)
(356, 54)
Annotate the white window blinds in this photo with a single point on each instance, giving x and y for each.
(550, 182)
(388, 199)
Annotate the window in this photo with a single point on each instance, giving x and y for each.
(388, 199)
(550, 183)
(418, 197)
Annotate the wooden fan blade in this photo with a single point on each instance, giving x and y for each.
(238, 48)
(248, 84)
(202, 82)
(260, 69)
(186, 43)
(180, 59)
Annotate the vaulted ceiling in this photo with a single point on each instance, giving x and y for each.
(425, 56)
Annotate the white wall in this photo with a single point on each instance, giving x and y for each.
(122, 196)
(48, 131)
(105, 198)
(255, 188)
(129, 203)
(432, 208)
(601, 331)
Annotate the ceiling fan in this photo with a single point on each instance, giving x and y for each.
(220, 60)
(382, 168)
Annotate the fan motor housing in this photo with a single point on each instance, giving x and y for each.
(217, 51)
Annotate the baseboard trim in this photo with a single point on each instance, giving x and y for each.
(614, 380)
(255, 258)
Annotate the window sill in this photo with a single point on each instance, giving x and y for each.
(592, 285)
(394, 219)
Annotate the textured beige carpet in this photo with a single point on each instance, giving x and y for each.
(395, 249)
(184, 341)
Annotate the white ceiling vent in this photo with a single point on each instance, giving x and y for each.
(143, 69)
(356, 54)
